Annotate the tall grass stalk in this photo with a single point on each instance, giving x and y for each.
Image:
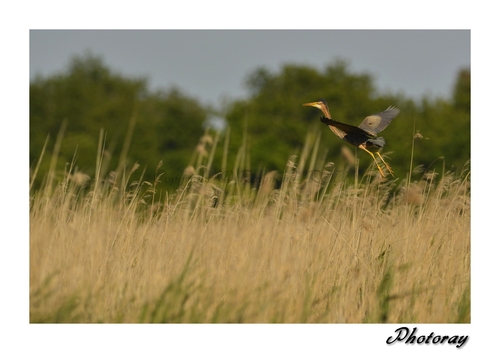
(35, 172)
(314, 249)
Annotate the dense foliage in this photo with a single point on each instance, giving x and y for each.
(271, 124)
(89, 97)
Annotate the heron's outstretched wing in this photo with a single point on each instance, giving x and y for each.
(374, 124)
(346, 128)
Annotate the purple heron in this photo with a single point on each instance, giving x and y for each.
(363, 136)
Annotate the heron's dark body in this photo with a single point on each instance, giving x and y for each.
(356, 139)
(355, 135)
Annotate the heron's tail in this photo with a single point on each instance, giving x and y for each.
(377, 143)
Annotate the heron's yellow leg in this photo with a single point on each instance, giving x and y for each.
(386, 165)
(373, 156)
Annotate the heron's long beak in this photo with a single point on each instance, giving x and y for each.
(321, 106)
(312, 104)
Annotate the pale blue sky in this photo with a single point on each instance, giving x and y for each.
(209, 65)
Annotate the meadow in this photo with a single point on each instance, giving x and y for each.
(313, 243)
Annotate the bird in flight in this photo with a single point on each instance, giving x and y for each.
(363, 136)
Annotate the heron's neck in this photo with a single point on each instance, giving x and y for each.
(337, 132)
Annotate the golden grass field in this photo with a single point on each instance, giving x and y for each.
(325, 245)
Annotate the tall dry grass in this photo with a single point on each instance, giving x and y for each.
(314, 247)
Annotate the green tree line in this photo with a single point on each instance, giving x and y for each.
(89, 99)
